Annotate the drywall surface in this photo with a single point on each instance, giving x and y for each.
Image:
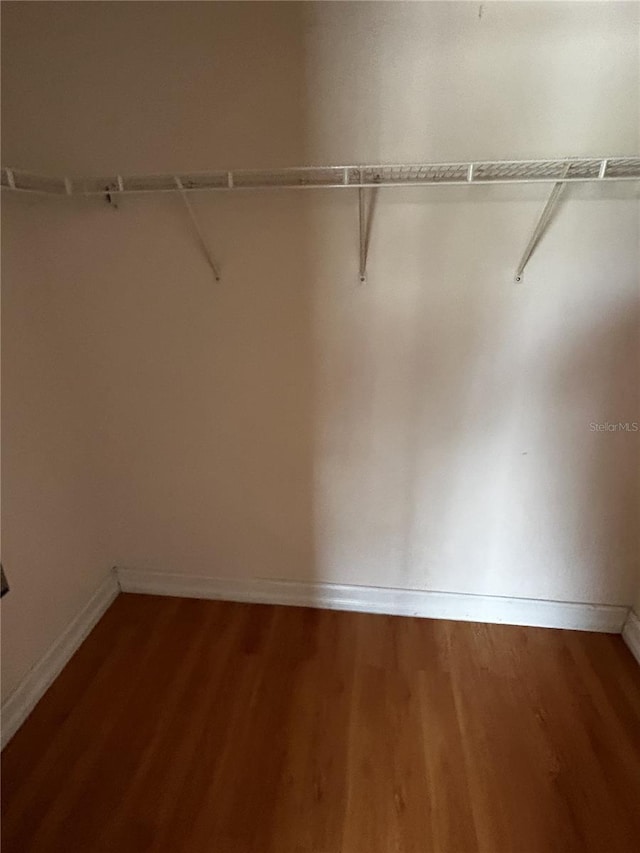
(53, 547)
(436, 428)
(197, 86)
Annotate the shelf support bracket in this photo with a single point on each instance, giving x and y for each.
(197, 230)
(363, 235)
(365, 221)
(542, 225)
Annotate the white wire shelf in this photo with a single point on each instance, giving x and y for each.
(558, 172)
(570, 170)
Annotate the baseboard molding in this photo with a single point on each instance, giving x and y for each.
(366, 599)
(631, 634)
(400, 602)
(31, 689)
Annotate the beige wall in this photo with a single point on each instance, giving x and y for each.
(427, 430)
(53, 545)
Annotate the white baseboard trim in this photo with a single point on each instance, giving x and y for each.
(631, 634)
(400, 602)
(25, 697)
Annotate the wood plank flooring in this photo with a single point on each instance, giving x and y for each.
(211, 727)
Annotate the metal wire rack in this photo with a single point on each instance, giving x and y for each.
(559, 172)
(309, 177)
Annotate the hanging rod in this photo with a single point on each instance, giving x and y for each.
(568, 170)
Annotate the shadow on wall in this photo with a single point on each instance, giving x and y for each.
(211, 385)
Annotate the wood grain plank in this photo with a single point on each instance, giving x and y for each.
(185, 725)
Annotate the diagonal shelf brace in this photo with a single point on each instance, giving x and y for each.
(365, 221)
(197, 230)
(541, 227)
(363, 235)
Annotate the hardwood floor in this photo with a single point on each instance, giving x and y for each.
(210, 727)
